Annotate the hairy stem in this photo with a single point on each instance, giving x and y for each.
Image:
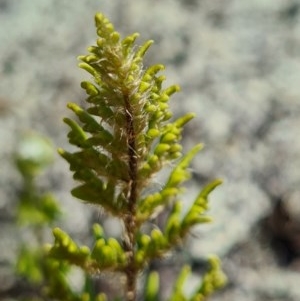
(131, 270)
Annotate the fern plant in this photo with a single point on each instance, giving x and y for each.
(124, 136)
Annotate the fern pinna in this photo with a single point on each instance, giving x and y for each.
(125, 136)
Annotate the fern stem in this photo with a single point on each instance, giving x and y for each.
(131, 270)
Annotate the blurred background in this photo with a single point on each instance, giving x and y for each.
(238, 65)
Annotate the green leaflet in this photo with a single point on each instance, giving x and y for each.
(196, 214)
(178, 294)
(128, 43)
(66, 249)
(213, 280)
(152, 287)
(108, 254)
(90, 124)
(76, 136)
(173, 225)
(101, 195)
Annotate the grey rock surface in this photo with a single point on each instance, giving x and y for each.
(238, 64)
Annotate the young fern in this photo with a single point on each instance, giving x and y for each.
(124, 138)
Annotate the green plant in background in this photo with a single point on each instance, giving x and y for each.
(34, 153)
(36, 211)
(125, 136)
